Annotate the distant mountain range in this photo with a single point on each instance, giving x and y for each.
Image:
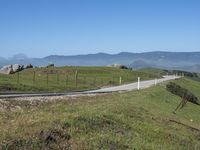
(189, 61)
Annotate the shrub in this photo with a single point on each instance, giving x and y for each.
(182, 92)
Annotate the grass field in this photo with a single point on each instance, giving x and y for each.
(154, 71)
(131, 120)
(65, 78)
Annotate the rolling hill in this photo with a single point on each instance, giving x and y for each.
(189, 61)
(131, 120)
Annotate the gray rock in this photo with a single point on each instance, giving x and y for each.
(28, 66)
(16, 68)
(50, 65)
(120, 66)
(8, 69)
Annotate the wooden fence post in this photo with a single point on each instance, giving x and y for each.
(66, 79)
(33, 76)
(84, 80)
(57, 78)
(94, 81)
(47, 79)
(18, 77)
(76, 78)
(120, 80)
(101, 81)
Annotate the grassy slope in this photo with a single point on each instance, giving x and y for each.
(153, 71)
(88, 78)
(138, 119)
(191, 85)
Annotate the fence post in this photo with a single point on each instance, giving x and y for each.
(138, 86)
(155, 82)
(85, 80)
(47, 79)
(57, 78)
(120, 80)
(66, 79)
(76, 77)
(94, 80)
(18, 77)
(33, 76)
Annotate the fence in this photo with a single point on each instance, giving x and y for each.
(59, 80)
(64, 79)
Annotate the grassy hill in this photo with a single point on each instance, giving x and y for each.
(154, 71)
(65, 79)
(132, 120)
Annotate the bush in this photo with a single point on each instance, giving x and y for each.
(182, 92)
(180, 72)
(50, 65)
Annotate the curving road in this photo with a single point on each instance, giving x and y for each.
(125, 87)
(133, 86)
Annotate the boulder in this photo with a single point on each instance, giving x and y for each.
(16, 68)
(120, 66)
(8, 69)
(50, 65)
(27, 66)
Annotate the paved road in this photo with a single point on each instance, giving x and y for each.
(133, 86)
(125, 87)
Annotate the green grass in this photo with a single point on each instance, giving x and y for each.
(63, 78)
(191, 85)
(132, 120)
(153, 71)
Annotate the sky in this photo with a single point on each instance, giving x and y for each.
(39, 28)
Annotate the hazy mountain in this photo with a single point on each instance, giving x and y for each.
(138, 64)
(19, 56)
(182, 60)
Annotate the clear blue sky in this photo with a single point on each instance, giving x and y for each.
(66, 27)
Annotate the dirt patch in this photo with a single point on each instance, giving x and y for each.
(46, 139)
(100, 124)
(53, 136)
(112, 145)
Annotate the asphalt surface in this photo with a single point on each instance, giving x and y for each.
(133, 86)
(125, 87)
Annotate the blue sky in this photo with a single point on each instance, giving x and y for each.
(67, 27)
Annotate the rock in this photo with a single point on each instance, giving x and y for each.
(50, 65)
(28, 66)
(120, 66)
(8, 69)
(16, 68)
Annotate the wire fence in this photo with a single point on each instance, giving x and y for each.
(73, 79)
(69, 80)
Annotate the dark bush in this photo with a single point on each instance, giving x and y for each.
(180, 72)
(50, 65)
(182, 92)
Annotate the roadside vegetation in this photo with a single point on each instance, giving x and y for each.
(62, 79)
(131, 120)
(156, 71)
